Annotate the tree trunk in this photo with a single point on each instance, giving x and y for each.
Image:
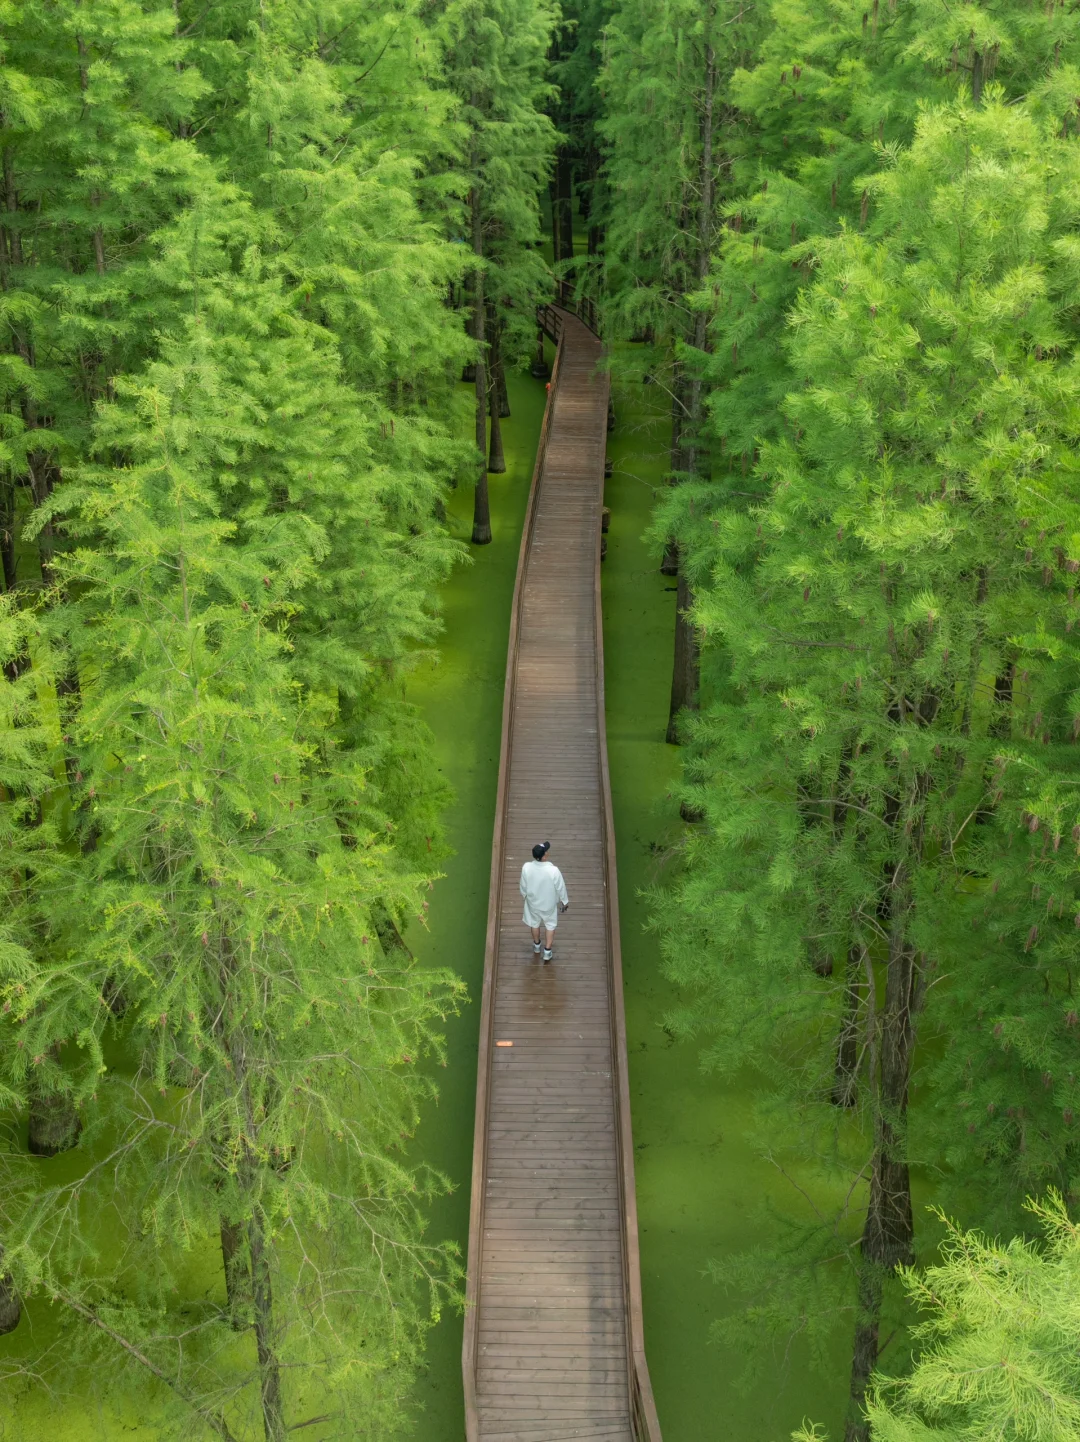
(265, 1340)
(11, 255)
(481, 531)
(7, 535)
(556, 229)
(684, 674)
(10, 1305)
(888, 1233)
(1000, 726)
(669, 566)
(54, 1125)
(496, 460)
(686, 446)
(540, 369)
(845, 1078)
(889, 1229)
(502, 394)
(497, 370)
(237, 1273)
(564, 174)
(258, 1247)
(588, 205)
(865, 1353)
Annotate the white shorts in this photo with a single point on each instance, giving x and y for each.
(536, 918)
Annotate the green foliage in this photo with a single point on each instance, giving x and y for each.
(999, 1343)
(889, 651)
(90, 175)
(28, 838)
(870, 349)
(495, 59)
(219, 902)
(656, 56)
(228, 422)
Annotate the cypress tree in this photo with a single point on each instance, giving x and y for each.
(576, 72)
(232, 893)
(860, 606)
(495, 65)
(256, 524)
(33, 868)
(666, 171)
(998, 1340)
(89, 175)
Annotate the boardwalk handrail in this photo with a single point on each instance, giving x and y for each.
(644, 1422)
(547, 316)
(550, 322)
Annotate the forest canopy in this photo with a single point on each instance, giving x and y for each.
(249, 253)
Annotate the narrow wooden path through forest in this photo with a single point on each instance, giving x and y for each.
(553, 1333)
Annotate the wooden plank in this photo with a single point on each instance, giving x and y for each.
(552, 1263)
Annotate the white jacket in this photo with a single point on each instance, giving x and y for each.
(543, 888)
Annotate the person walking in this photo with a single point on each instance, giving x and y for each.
(544, 891)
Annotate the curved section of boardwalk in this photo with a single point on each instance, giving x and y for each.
(553, 1347)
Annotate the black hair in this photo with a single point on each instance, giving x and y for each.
(540, 850)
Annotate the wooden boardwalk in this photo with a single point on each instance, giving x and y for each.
(553, 1339)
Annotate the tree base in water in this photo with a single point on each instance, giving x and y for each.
(10, 1307)
(54, 1126)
